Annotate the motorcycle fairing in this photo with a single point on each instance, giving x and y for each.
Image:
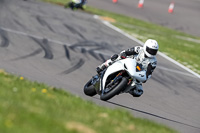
(117, 66)
(132, 69)
(128, 64)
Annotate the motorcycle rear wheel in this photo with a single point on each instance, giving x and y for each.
(89, 89)
(118, 88)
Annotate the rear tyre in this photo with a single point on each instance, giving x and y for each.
(89, 89)
(116, 90)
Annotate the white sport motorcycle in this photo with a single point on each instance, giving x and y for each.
(121, 77)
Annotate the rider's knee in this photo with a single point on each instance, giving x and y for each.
(138, 91)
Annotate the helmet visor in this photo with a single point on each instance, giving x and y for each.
(151, 51)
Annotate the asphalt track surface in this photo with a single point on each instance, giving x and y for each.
(185, 18)
(62, 48)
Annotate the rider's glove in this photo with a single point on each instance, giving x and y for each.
(98, 70)
(114, 57)
(123, 55)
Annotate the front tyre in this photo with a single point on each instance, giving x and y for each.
(89, 89)
(116, 90)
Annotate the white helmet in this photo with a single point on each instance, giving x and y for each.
(150, 48)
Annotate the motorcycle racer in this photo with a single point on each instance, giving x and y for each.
(76, 4)
(80, 5)
(146, 56)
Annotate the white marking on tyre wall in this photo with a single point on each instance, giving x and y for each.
(141, 43)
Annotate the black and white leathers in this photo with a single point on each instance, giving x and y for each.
(149, 64)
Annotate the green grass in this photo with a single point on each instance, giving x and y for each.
(30, 107)
(180, 46)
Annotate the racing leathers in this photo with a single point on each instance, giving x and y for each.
(80, 3)
(148, 64)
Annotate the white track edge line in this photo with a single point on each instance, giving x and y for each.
(141, 43)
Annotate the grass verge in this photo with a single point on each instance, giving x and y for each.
(180, 46)
(30, 107)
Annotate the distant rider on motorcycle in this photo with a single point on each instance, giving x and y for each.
(76, 4)
(145, 55)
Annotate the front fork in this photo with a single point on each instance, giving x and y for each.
(117, 78)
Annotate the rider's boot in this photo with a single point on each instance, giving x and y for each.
(137, 90)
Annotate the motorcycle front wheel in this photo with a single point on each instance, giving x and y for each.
(89, 89)
(116, 90)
